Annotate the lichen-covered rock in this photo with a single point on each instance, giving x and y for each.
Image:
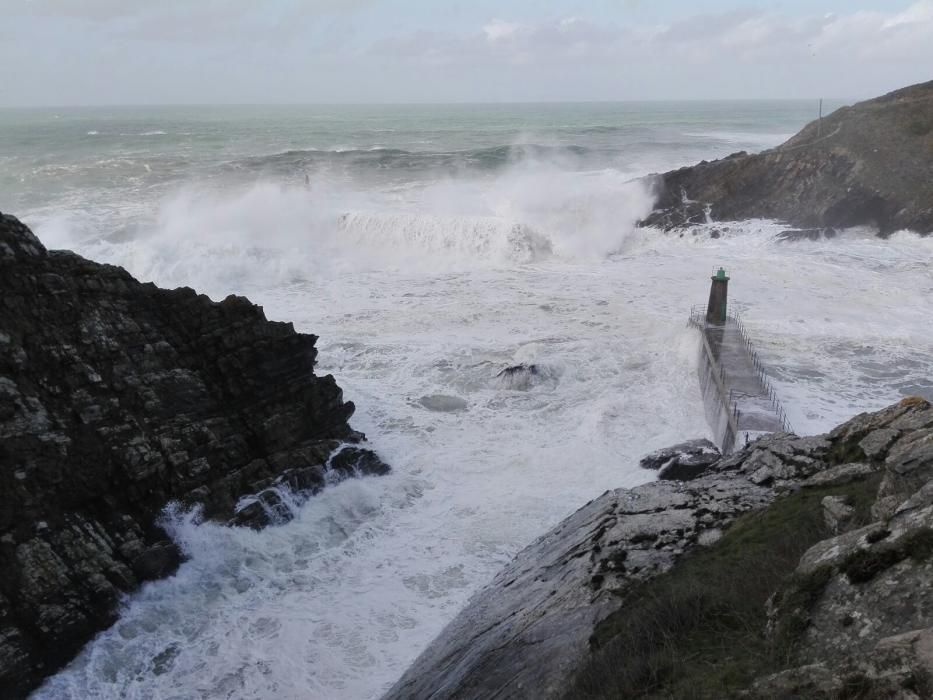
(115, 398)
(851, 591)
(899, 667)
(908, 467)
(837, 512)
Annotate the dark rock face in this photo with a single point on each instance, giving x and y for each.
(528, 632)
(684, 461)
(115, 398)
(868, 164)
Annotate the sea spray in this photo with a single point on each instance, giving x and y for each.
(270, 233)
(337, 602)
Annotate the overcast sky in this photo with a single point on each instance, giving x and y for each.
(69, 52)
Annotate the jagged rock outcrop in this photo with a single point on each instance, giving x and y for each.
(898, 668)
(530, 631)
(684, 461)
(868, 164)
(865, 615)
(115, 398)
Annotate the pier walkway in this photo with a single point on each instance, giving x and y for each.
(738, 396)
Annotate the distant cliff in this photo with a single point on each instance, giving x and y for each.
(868, 164)
(795, 568)
(115, 398)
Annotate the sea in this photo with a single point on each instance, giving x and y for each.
(430, 247)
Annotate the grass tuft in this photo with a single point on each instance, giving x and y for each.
(698, 631)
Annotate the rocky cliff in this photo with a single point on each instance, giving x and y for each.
(796, 568)
(116, 398)
(868, 164)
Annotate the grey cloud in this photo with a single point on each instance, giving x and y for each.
(704, 27)
(84, 9)
(107, 10)
(715, 38)
(558, 40)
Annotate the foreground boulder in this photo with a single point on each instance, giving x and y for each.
(868, 164)
(116, 398)
(589, 610)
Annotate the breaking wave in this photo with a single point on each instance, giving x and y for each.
(226, 238)
(479, 237)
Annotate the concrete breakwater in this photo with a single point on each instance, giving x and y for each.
(740, 401)
(737, 395)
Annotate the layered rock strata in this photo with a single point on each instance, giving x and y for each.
(116, 398)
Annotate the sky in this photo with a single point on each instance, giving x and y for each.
(115, 52)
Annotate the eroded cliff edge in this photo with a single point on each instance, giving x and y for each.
(116, 398)
(796, 568)
(867, 164)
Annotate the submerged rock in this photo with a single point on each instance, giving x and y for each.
(868, 164)
(523, 376)
(116, 398)
(443, 403)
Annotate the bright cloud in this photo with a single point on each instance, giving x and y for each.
(497, 30)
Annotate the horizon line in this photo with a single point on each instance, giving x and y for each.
(464, 103)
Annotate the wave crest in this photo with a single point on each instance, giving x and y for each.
(480, 237)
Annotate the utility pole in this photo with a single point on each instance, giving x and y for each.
(819, 126)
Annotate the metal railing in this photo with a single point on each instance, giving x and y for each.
(698, 320)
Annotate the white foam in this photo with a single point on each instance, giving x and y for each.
(417, 292)
(269, 233)
(471, 237)
(335, 604)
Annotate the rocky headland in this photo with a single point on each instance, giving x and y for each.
(117, 398)
(795, 568)
(868, 164)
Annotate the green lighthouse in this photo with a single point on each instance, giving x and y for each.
(718, 296)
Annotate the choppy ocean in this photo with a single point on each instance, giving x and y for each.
(429, 247)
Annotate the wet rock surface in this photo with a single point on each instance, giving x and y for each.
(682, 462)
(868, 164)
(116, 398)
(522, 377)
(859, 600)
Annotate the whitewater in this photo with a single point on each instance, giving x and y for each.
(429, 249)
